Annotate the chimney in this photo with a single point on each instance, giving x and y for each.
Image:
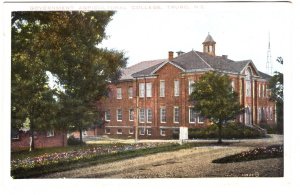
(179, 53)
(171, 55)
(225, 56)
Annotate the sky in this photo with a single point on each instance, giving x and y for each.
(241, 31)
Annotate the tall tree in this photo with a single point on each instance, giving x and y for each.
(276, 86)
(64, 44)
(214, 98)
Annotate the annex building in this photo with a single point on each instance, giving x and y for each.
(151, 99)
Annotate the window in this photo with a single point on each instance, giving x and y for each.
(248, 88)
(50, 133)
(142, 115)
(176, 88)
(148, 89)
(119, 114)
(267, 113)
(131, 131)
(142, 131)
(259, 90)
(176, 114)
(163, 117)
(162, 132)
(271, 113)
(162, 89)
(119, 93)
(131, 115)
(149, 116)
(259, 115)
(191, 86)
(192, 115)
(119, 131)
(149, 131)
(130, 92)
(142, 90)
(107, 115)
(15, 135)
(107, 131)
(263, 90)
(232, 85)
(200, 119)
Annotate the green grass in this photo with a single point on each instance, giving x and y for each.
(103, 158)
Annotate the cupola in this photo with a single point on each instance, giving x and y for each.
(209, 45)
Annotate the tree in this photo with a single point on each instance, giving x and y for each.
(65, 45)
(214, 98)
(276, 86)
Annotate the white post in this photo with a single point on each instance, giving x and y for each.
(183, 134)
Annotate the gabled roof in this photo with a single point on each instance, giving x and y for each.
(265, 76)
(129, 71)
(192, 61)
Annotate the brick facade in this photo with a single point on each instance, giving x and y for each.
(41, 140)
(256, 100)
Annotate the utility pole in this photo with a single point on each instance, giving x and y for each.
(137, 110)
(269, 65)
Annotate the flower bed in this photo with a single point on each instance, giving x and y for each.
(274, 151)
(86, 153)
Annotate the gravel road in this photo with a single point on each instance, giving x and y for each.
(186, 163)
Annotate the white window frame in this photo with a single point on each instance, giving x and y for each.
(119, 93)
(107, 131)
(259, 86)
(131, 114)
(119, 120)
(141, 90)
(147, 113)
(149, 131)
(191, 109)
(142, 131)
(162, 88)
(191, 87)
(162, 132)
(161, 116)
(148, 89)
(176, 88)
(142, 116)
(131, 131)
(50, 133)
(232, 85)
(130, 92)
(119, 133)
(107, 113)
(263, 90)
(174, 114)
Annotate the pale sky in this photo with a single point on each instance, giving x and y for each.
(240, 30)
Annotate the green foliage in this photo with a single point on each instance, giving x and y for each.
(214, 98)
(230, 131)
(276, 86)
(72, 141)
(63, 44)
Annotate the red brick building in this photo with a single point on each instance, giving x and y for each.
(21, 139)
(151, 97)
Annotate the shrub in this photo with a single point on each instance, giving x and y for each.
(72, 141)
(230, 131)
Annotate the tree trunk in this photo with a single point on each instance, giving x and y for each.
(220, 132)
(31, 141)
(80, 133)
